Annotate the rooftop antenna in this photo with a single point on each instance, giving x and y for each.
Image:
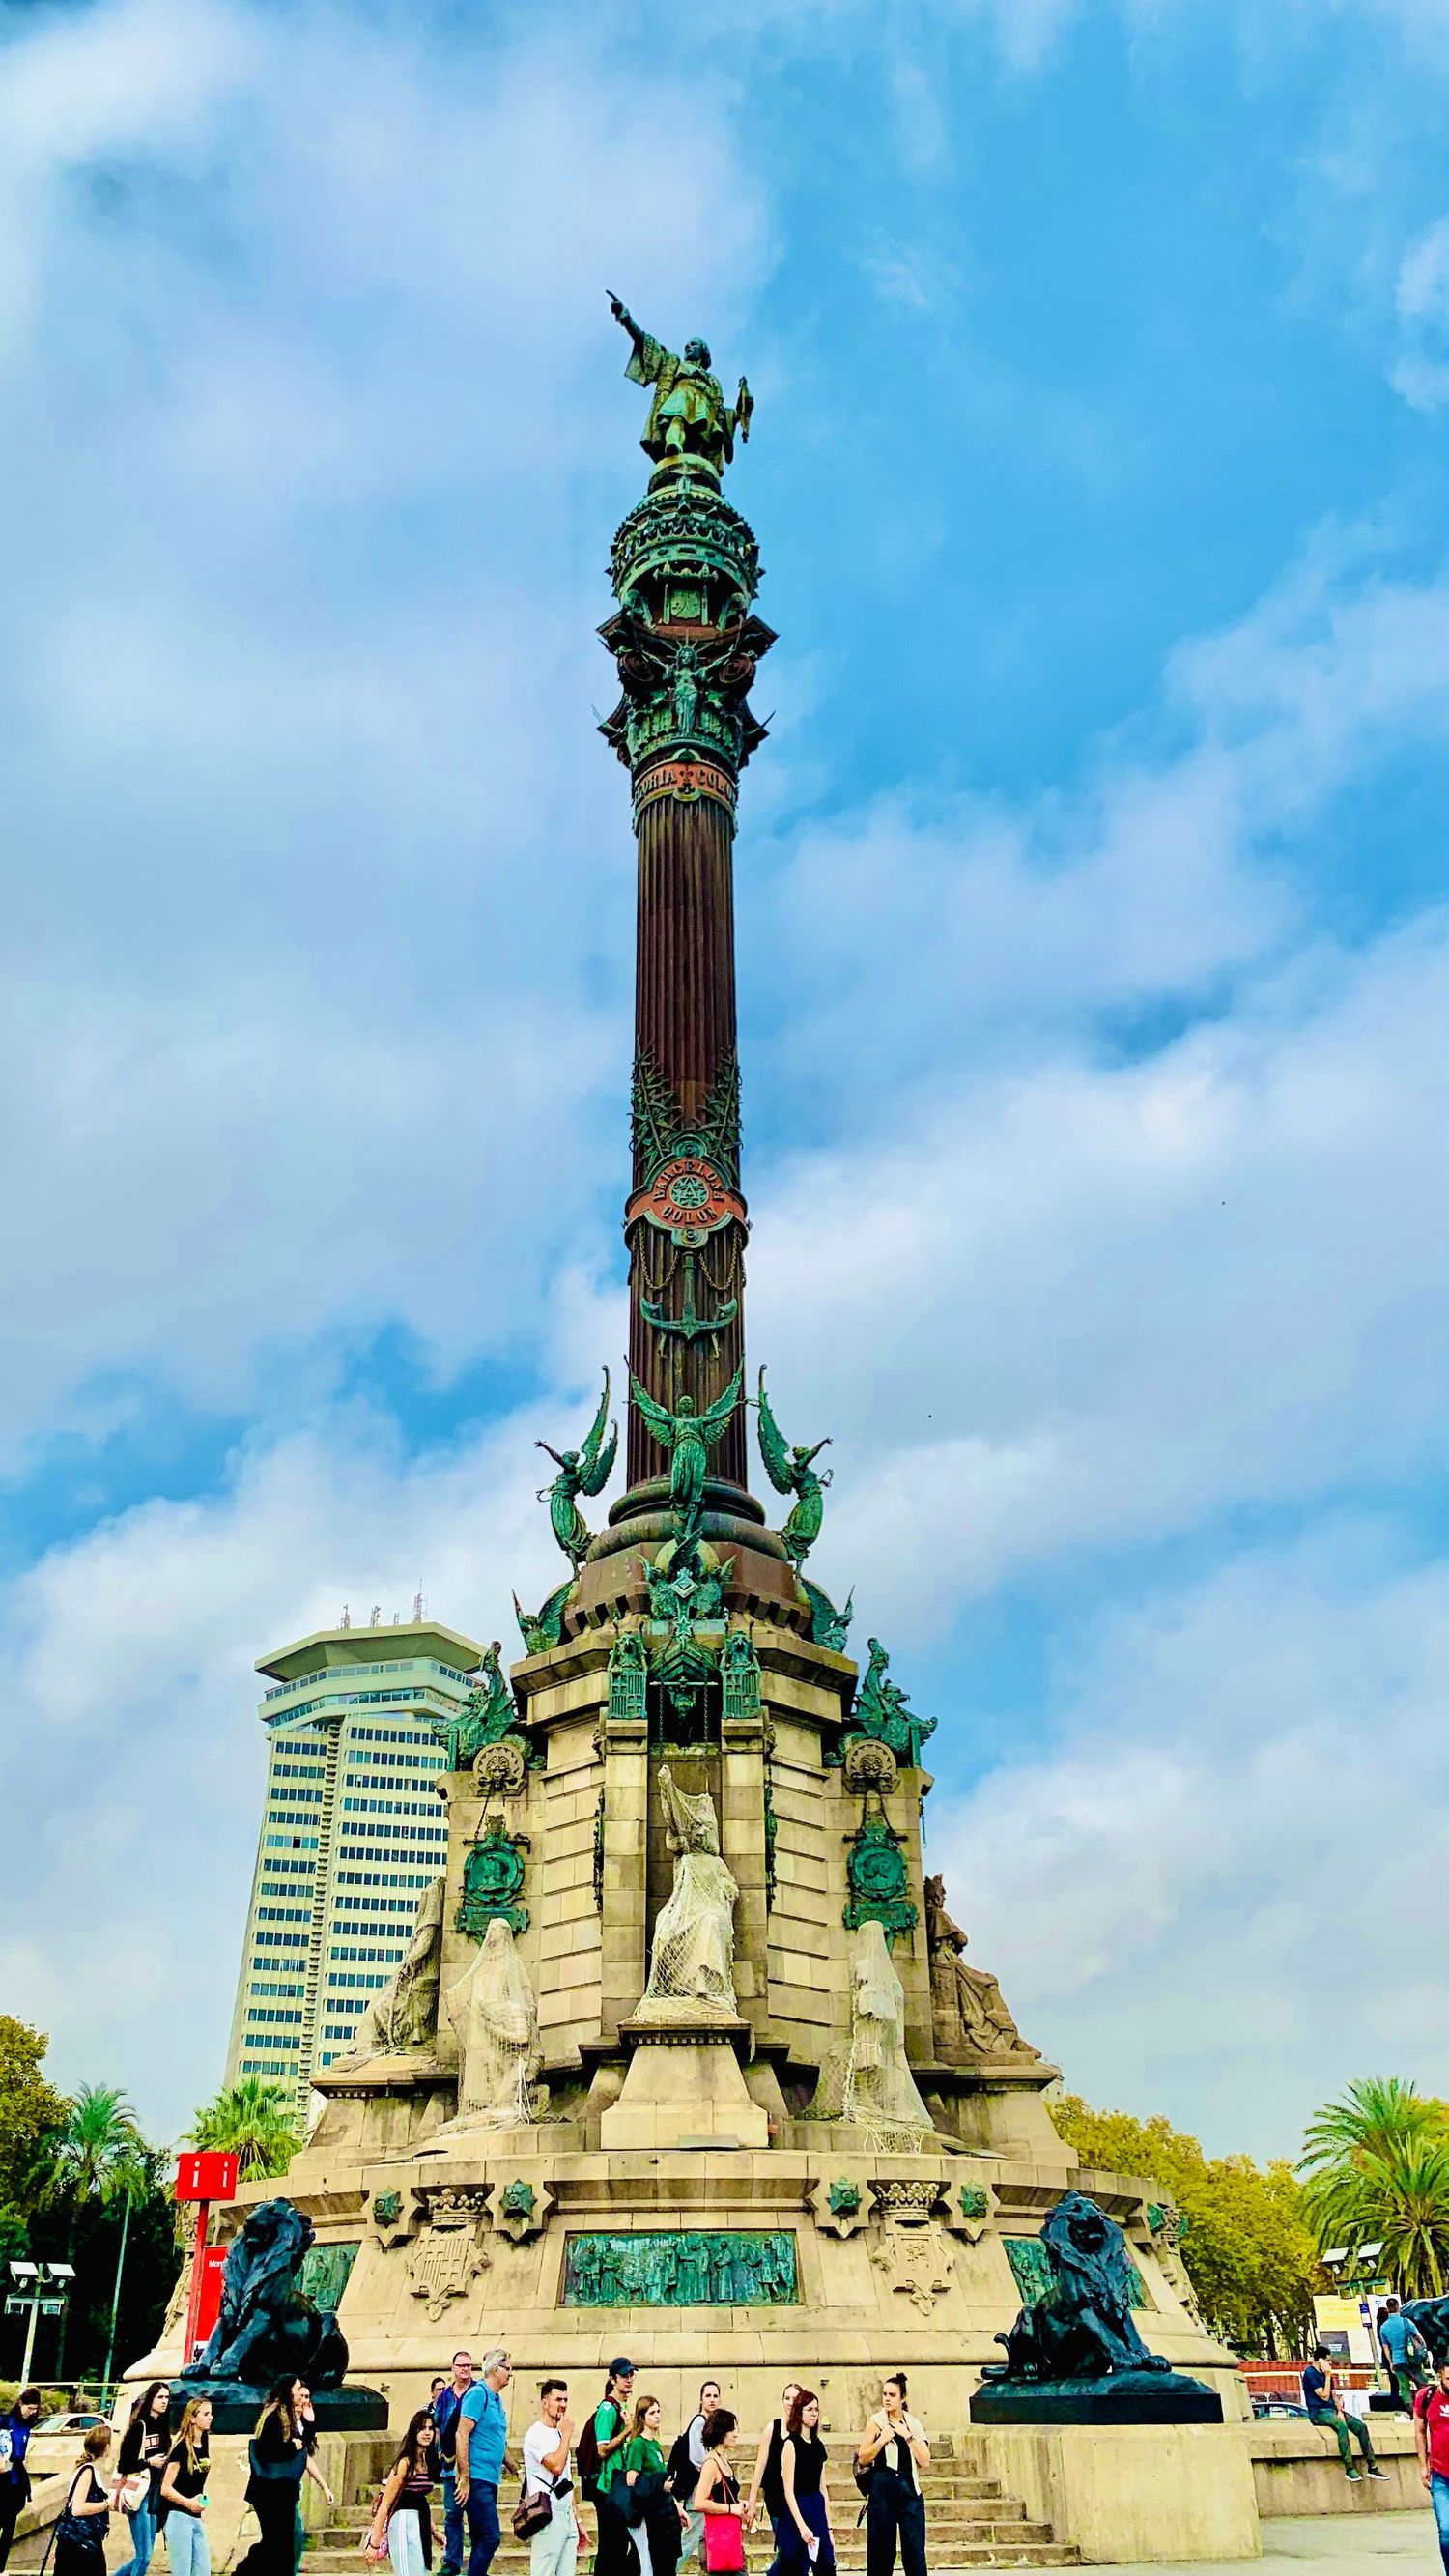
(376, 1620)
(418, 1607)
(397, 1618)
(346, 1614)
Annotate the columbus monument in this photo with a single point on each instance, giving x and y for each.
(688, 2058)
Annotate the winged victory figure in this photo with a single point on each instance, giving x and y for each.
(792, 1471)
(581, 1471)
(688, 1438)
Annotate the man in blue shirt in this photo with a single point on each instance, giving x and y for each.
(1405, 2354)
(1321, 2400)
(445, 2415)
(482, 2433)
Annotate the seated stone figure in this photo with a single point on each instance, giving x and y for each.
(967, 2011)
(1084, 2328)
(267, 2325)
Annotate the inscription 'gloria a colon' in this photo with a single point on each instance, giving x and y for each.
(681, 2269)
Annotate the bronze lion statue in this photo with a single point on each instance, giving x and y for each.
(1083, 2328)
(267, 2325)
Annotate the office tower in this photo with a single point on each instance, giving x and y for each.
(352, 1832)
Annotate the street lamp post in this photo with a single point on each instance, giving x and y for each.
(44, 2292)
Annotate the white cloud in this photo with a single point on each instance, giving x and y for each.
(1215, 1893)
(133, 1760)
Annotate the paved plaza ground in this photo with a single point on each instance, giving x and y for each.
(1330, 2545)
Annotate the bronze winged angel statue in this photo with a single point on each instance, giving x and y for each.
(792, 1471)
(581, 1471)
(687, 1438)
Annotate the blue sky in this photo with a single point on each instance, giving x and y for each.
(1093, 938)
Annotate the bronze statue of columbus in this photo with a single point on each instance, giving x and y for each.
(688, 416)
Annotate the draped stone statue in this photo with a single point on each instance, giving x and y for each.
(692, 1959)
(867, 2078)
(405, 2015)
(495, 2021)
(967, 2010)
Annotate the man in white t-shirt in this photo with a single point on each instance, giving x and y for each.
(548, 2469)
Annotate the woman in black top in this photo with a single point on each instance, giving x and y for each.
(277, 2455)
(717, 2495)
(765, 2484)
(183, 2492)
(80, 2538)
(806, 2519)
(144, 2445)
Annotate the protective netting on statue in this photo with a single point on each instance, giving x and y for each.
(495, 2018)
(867, 2078)
(692, 1957)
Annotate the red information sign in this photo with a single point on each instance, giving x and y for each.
(208, 2305)
(208, 2176)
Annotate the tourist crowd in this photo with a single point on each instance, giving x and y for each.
(655, 2502)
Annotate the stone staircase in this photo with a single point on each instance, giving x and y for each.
(970, 2522)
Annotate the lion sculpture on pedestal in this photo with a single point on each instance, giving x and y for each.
(267, 2326)
(1083, 2328)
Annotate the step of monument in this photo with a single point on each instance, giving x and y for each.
(1018, 2544)
(966, 2514)
(947, 2539)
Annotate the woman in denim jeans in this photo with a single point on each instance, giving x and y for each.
(144, 2445)
(183, 2492)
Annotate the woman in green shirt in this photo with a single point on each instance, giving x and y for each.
(655, 2520)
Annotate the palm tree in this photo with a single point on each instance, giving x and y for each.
(1408, 2194)
(1377, 2170)
(100, 2141)
(100, 2133)
(1371, 2119)
(252, 2120)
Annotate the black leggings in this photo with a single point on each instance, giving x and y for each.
(273, 2553)
(894, 2512)
(12, 2499)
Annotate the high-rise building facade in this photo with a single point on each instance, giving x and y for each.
(352, 1832)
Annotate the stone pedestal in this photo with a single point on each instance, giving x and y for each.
(1140, 2493)
(684, 2088)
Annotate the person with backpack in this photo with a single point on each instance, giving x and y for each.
(482, 2450)
(600, 2456)
(767, 2485)
(139, 2463)
(15, 2431)
(446, 2405)
(1405, 2353)
(686, 2459)
(894, 2449)
(553, 2549)
(1431, 2441)
(85, 2517)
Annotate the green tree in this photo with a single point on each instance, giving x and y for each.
(253, 2119)
(1247, 2247)
(32, 2117)
(99, 2145)
(99, 2138)
(1377, 2173)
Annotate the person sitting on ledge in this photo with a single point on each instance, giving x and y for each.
(1323, 2408)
